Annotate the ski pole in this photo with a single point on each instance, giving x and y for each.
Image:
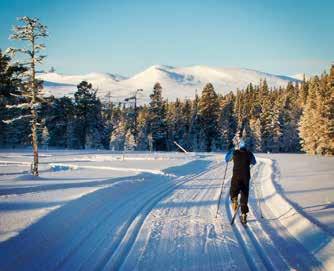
(221, 190)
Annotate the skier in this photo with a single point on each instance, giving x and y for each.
(242, 159)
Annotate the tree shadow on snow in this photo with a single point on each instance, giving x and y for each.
(42, 245)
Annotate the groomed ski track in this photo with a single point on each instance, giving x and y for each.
(158, 223)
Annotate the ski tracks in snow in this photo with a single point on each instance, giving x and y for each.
(181, 232)
(165, 224)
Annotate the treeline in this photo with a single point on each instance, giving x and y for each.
(298, 117)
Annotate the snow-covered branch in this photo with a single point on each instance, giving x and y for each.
(40, 59)
(39, 47)
(16, 119)
(19, 106)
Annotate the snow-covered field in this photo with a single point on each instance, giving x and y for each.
(97, 210)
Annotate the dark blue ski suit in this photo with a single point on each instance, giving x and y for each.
(242, 159)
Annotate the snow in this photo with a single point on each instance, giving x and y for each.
(308, 185)
(314, 237)
(177, 82)
(301, 76)
(101, 210)
(16, 119)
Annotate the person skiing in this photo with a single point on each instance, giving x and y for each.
(242, 159)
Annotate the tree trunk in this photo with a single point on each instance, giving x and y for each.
(34, 169)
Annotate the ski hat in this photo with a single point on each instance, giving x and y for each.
(242, 144)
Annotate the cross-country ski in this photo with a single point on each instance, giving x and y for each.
(235, 213)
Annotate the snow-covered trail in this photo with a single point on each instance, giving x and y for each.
(159, 222)
(182, 233)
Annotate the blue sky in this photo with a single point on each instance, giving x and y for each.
(281, 37)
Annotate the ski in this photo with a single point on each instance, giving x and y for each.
(235, 214)
(243, 223)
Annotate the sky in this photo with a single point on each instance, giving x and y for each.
(282, 37)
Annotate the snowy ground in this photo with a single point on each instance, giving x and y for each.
(156, 211)
(309, 186)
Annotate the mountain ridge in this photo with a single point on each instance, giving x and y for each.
(177, 82)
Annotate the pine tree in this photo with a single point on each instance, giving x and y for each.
(329, 114)
(88, 117)
(106, 113)
(195, 126)
(12, 133)
(303, 92)
(142, 140)
(30, 31)
(255, 126)
(117, 139)
(209, 114)
(129, 144)
(227, 121)
(309, 123)
(248, 136)
(157, 119)
(289, 117)
(186, 122)
(60, 113)
(325, 115)
(176, 124)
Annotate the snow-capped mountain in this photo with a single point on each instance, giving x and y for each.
(177, 82)
(301, 76)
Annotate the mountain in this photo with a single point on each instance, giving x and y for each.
(300, 76)
(177, 82)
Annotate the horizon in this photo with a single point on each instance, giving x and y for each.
(126, 38)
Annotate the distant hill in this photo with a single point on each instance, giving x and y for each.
(177, 82)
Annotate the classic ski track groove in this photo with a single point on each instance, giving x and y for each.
(117, 257)
(111, 250)
(225, 252)
(73, 243)
(125, 228)
(245, 235)
(84, 237)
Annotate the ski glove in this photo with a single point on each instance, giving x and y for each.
(253, 160)
(229, 156)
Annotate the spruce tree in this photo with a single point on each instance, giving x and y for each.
(209, 114)
(325, 115)
(195, 126)
(227, 121)
(89, 125)
(186, 122)
(129, 141)
(12, 133)
(157, 119)
(59, 114)
(289, 117)
(117, 138)
(309, 123)
(142, 140)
